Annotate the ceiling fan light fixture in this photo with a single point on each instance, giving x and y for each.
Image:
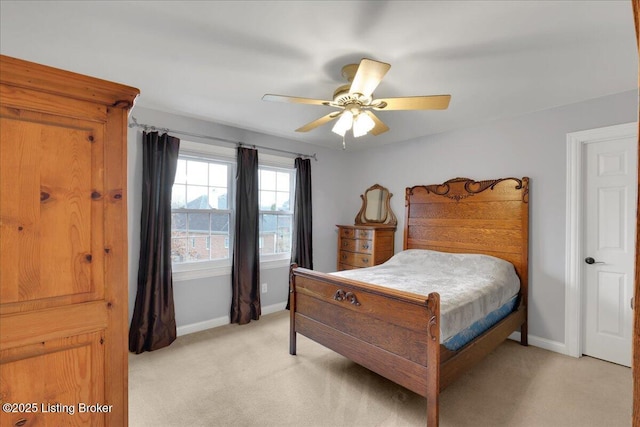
(362, 124)
(344, 123)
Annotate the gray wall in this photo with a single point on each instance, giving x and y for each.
(533, 145)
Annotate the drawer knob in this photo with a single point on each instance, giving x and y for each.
(365, 260)
(365, 246)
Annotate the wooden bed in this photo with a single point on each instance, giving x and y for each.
(397, 334)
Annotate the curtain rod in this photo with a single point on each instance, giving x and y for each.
(152, 128)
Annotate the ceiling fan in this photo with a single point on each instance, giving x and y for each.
(355, 101)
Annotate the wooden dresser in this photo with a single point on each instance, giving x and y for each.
(364, 245)
(63, 247)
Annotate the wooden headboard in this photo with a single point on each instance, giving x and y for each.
(465, 216)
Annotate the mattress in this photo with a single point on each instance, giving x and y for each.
(476, 290)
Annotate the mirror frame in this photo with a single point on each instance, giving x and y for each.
(389, 219)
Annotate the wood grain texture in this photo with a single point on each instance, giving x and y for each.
(31, 100)
(63, 258)
(54, 215)
(56, 375)
(34, 326)
(116, 262)
(636, 313)
(24, 74)
(383, 333)
(467, 216)
(399, 370)
(395, 333)
(364, 245)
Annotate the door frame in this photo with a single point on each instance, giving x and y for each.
(576, 142)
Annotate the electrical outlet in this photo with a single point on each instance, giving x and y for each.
(264, 288)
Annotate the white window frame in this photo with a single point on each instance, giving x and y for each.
(279, 259)
(203, 269)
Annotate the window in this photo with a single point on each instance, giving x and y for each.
(276, 212)
(202, 209)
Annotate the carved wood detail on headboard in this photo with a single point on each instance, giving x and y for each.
(471, 187)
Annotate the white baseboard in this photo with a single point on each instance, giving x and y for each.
(221, 321)
(274, 308)
(202, 326)
(544, 343)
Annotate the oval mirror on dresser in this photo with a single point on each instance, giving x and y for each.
(376, 207)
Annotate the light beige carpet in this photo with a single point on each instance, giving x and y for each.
(244, 376)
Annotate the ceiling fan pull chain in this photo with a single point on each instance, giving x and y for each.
(344, 143)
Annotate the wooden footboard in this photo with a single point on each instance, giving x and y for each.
(393, 333)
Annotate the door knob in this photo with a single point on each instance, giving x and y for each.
(590, 260)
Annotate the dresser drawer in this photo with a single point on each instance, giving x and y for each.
(347, 233)
(364, 234)
(357, 245)
(355, 259)
(351, 233)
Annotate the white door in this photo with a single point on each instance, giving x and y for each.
(610, 215)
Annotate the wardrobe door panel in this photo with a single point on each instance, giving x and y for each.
(54, 383)
(51, 205)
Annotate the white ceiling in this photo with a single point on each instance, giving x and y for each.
(214, 60)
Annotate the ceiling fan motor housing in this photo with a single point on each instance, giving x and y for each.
(342, 97)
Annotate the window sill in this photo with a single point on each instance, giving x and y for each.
(202, 273)
(274, 263)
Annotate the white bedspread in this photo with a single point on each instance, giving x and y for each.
(470, 285)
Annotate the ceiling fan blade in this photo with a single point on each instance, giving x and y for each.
(435, 102)
(368, 76)
(379, 127)
(294, 99)
(319, 122)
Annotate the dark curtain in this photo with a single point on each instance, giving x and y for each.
(245, 271)
(153, 325)
(302, 246)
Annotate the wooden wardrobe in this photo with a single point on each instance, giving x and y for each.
(63, 247)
